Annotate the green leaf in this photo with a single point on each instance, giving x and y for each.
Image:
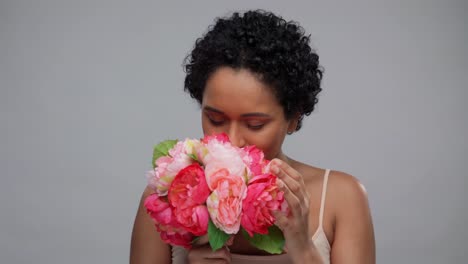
(162, 149)
(216, 236)
(273, 242)
(192, 156)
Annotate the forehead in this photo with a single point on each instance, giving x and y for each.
(239, 91)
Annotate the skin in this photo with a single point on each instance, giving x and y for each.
(237, 103)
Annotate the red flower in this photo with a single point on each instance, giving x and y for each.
(179, 237)
(187, 195)
(159, 210)
(263, 197)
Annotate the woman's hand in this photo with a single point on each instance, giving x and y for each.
(295, 226)
(202, 253)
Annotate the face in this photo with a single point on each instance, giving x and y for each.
(237, 103)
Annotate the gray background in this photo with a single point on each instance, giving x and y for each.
(87, 88)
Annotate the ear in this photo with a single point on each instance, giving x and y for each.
(293, 123)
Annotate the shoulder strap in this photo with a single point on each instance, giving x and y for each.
(324, 193)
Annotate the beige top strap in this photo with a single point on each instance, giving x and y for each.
(324, 193)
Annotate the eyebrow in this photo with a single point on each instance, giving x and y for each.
(254, 114)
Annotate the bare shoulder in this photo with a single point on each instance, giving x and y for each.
(346, 192)
(353, 240)
(347, 184)
(342, 189)
(347, 219)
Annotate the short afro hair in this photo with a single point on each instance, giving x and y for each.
(275, 50)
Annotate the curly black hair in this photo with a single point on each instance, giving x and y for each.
(275, 50)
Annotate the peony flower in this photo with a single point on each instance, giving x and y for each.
(167, 167)
(187, 147)
(223, 156)
(159, 179)
(222, 138)
(225, 202)
(187, 194)
(159, 210)
(205, 180)
(165, 221)
(178, 237)
(254, 159)
(263, 197)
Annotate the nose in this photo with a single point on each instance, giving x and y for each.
(235, 135)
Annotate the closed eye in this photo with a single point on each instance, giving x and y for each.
(215, 119)
(255, 126)
(216, 123)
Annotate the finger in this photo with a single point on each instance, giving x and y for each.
(279, 221)
(222, 253)
(294, 203)
(291, 177)
(296, 188)
(200, 241)
(297, 185)
(287, 169)
(283, 222)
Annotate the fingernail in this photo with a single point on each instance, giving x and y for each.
(280, 184)
(275, 169)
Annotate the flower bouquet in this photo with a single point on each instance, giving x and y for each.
(210, 186)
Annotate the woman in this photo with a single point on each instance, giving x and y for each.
(256, 77)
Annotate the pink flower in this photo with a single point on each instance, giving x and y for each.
(222, 138)
(263, 197)
(178, 237)
(159, 179)
(255, 160)
(223, 156)
(187, 194)
(165, 221)
(205, 180)
(167, 167)
(187, 147)
(225, 202)
(159, 210)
